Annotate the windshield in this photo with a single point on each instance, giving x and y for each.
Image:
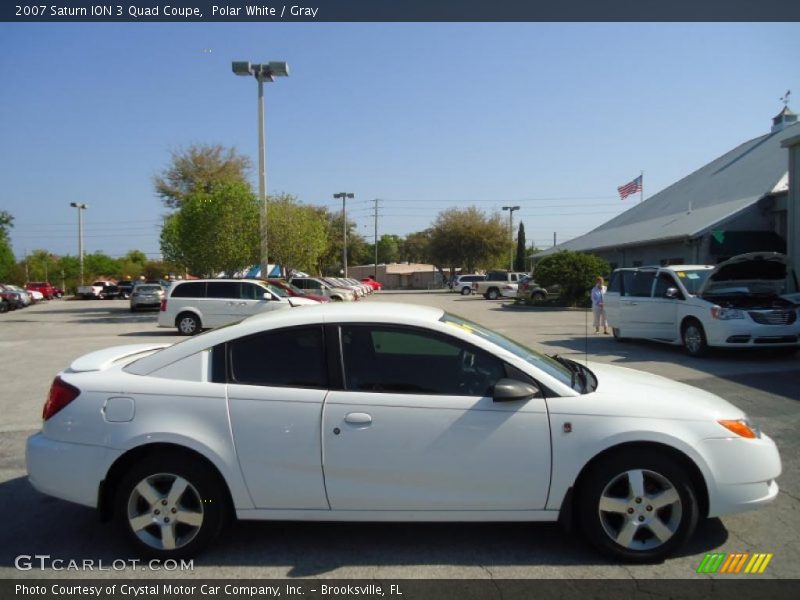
(278, 291)
(693, 279)
(552, 367)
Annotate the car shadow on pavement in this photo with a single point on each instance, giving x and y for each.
(44, 525)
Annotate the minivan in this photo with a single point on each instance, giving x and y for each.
(192, 306)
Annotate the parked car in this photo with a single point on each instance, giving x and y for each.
(24, 295)
(743, 302)
(4, 308)
(497, 284)
(463, 283)
(125, 289)
(293, 290)
(146, 296)
(373, 283)
(323, 288)
(12, 297)
(36, 296)
(99, 290)
(43, 287)
(358, 291)
(206, 303)
(528, 289)
(340, 411)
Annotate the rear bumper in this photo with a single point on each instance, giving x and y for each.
(51, 467)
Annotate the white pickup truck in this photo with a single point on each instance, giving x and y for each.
(497, 284)
(98, 290)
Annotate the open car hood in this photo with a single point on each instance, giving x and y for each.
(746, 269)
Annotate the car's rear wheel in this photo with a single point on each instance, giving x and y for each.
(694, 338)
(492, 294)
(466, 291)
(538, 296)
(640, 507)
(170, 506)
(188, 324)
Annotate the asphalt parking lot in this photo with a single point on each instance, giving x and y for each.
(37, 342)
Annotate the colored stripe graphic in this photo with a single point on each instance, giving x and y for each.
(721, 562)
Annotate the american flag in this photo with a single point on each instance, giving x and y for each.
(630, 188)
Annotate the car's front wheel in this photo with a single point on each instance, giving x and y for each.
(694, 339)
(639, 508)
(466, 291)
(188, 324)
(170, 506)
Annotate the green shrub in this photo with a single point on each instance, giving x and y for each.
(575, 272)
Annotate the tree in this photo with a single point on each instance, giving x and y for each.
(297, 234)
(98, 265)
(468, 238)
(520, 260)
(6, 253)
(200, 167)
(214, 231)
(330, 262)
(388, 248)
(575, 272)
(415, 248)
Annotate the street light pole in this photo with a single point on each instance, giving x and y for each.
(262, 73)
(344, 196)
(81, 207)
(511, 210)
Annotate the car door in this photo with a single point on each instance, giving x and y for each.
(635, 304)
(221, 303)
(416, 428)
(660, 313)
(252, 301)
(277, 382)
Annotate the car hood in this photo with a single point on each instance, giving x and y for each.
(627, 392)
(750, 268)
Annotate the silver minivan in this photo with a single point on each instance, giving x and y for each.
(207, 303)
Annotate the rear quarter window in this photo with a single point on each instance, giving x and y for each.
(195, 289)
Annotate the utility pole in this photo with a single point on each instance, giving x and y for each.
(554, 239)
(81, 207)
(375, 277)
(511, 210)
(344, 196)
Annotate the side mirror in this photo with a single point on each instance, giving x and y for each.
(672, 293)
(508, 390)
(267, 296)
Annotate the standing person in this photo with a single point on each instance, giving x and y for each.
(598, 306)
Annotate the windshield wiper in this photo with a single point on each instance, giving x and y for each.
(575, 368)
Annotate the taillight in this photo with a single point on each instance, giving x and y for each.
(163, 305)
(61, 394)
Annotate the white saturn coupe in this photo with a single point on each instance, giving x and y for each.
(386, 412)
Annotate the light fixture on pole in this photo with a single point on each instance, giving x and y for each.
(344, 196)
(511, 210)
(262, 73)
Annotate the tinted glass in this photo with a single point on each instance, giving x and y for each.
(663, 283)
(222, 289)
(251, 291)
(615, 285)
(413, 361)
(642, 284)
(194, 289)
(292, 357)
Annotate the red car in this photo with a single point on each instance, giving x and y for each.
(44, 288)
(375, 285)
(296, 291)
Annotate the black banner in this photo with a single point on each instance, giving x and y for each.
(399, 589)
(401, 10)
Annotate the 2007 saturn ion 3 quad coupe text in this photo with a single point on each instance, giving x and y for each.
(384, 412)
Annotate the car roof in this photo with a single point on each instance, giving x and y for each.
(333, 312)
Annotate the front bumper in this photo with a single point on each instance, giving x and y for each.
(744, 333)
(65, 470)
(744, 473)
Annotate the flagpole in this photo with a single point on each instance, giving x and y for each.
(641, 189)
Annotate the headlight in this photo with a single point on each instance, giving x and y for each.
(725, 314)
(741, 427)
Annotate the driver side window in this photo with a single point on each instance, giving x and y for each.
(413, 361)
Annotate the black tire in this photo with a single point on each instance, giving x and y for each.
(538, 296)
(634, 532)
(160, 526)
(492, 294)
(466, 291)
(694, 338)
(188, 324)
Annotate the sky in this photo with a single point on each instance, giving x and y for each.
(550, 117)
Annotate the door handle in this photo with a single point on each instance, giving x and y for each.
(358, 418)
